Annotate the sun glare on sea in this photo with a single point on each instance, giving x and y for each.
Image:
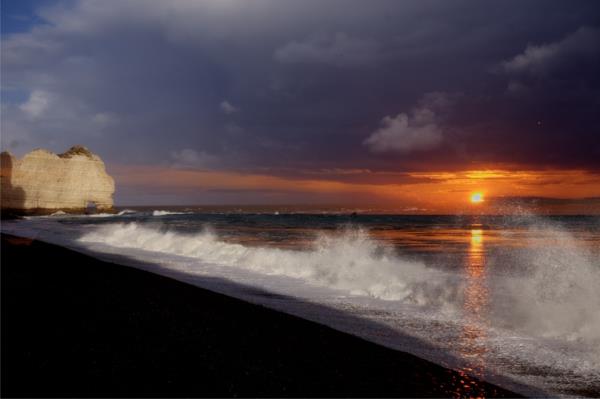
(476, 198)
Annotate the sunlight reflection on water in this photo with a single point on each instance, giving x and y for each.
(474, 333)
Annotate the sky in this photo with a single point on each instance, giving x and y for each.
(406, 104)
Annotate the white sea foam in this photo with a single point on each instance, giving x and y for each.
(62, 214)
(106, 215)
(352, 262)
(126, 212)
(557, 295)
(165, 213)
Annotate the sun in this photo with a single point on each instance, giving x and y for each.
(476, 198)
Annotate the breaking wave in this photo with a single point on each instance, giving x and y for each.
(353, 262)
(126, 212)
(555, 293)
(559, 293)
(107, 215)
(165, 213)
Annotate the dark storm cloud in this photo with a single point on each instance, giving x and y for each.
(546, 60)
(338, 50)
(274, 85)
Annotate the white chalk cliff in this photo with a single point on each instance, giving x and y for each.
(43, 181)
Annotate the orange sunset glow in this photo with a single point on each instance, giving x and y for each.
(492, 191)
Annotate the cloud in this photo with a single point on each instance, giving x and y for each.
(227, 108)
(105, 119)
(36, 105)
(404, 133)
(189, 158)
(56, 120)
(418, 131)
(544, 58)
(233, 128)
(125, 77)
(340, 50)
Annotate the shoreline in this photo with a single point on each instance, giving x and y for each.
(74, 325)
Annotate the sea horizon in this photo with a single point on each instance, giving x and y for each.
(362, 208)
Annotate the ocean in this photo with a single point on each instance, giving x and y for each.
(514, 300)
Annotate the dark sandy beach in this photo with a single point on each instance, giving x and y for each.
(76, 326)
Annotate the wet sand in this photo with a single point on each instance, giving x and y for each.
(76, 326)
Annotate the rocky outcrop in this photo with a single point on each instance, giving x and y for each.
(44, 182)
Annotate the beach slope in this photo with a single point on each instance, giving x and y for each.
(76, 326)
